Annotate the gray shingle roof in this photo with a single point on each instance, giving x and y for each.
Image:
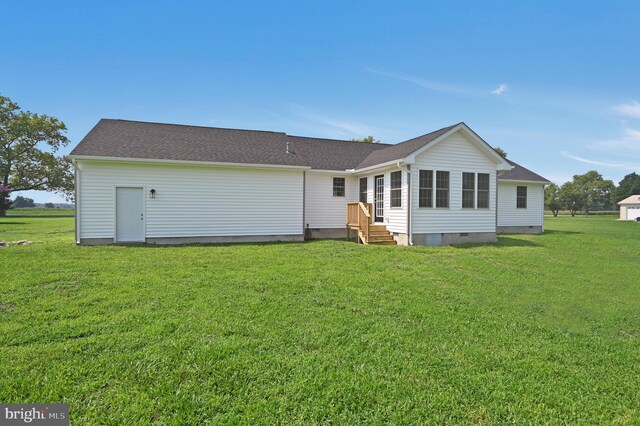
(333, 154)
(135, 139)
(159, 141)
(403, 149)
(519, 173)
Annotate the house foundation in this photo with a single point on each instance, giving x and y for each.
(520, 230)
(445, 239)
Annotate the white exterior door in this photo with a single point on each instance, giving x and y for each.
(129, 215)
(633, 212)
(379, 199)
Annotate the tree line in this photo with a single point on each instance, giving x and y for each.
(589, 192)
(21, 202)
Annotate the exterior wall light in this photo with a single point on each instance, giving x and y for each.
(152, 193)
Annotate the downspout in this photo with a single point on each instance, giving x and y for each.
(498, 173)
(407, 168)
(543, 190)
(77, 200)
(409, 231)
(304, 196)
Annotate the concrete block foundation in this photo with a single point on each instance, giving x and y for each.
(520, 229)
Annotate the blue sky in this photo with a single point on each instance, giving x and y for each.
(555, 84)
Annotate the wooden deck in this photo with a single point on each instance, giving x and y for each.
(359, 219)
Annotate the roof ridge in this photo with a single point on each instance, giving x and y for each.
(193, 125)
(336, 140)
(430, 133)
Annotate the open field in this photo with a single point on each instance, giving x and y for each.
(40, 211)
(534, 329)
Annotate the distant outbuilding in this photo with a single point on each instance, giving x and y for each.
(630, 208)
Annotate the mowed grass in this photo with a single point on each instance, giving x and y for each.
(534, 329)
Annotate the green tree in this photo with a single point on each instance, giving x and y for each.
(571, 198)
(368, 139)
(552, 199)
(22, 202)
(28, 144)
(49, 206)
(501, 151)
(587, 191)
(628, 186)
(595, 190)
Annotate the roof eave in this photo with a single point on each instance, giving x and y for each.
(186, 162)
(379, 166)
(541, 182)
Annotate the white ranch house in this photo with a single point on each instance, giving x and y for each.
(166, 183)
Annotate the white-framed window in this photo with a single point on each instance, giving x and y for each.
(396, 189)
(475, 190)
(338, 186)
(521, 197)
(468, 190)
(363, 190)
(483, 190)
(442, 189)
(433, 188)
(425, 188)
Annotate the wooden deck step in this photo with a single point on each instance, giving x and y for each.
(378, 234)
(384, 243)
(387, 237)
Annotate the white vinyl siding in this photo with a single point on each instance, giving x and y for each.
(395, 217)
(456, 154)
(193, 200)
(508, 212)
(322, 209)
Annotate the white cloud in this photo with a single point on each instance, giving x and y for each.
(628, 144)
(500, 89)
(55, 199)
(631, 109)
(335, 127)
(633, 134)
(434, 86)
(558, 179)
(601, 163)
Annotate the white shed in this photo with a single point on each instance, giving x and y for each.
(630, 208)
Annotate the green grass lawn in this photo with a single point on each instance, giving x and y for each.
(534, 329)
